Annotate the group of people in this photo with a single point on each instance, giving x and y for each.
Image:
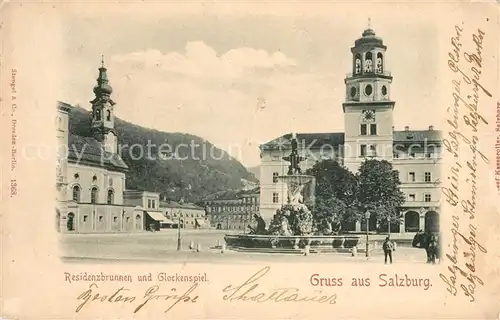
(423, 240)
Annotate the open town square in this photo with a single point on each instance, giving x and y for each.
(162, 247)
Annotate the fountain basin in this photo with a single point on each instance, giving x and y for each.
(292, 244)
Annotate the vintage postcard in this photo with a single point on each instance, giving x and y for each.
(250, 160)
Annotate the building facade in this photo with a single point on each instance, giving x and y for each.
(232, 210)
(91, 175)
(369, 133)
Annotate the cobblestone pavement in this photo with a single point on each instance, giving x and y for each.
(161, 247)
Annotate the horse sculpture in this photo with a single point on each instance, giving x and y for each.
(429, 242)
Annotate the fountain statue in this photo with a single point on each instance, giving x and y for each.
(294, 217)
(291, 228)
(295, 180)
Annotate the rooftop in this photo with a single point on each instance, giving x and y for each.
(316, 140)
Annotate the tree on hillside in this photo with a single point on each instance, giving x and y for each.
(336, 190)
(379, 190)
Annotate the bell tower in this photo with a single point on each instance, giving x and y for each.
(103, 119)
(368, 109)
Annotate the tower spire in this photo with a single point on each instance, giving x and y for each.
(102, 61)
(369, 22)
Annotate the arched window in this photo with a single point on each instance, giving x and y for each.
(98, 114)
(93, 195)
(111, 196)
(76, 193)
(368, 62)
(108, 115)
(357, 64)
(380, 63)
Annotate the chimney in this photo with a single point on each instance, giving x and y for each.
(407, 128)
(431, 128)
(392, 128)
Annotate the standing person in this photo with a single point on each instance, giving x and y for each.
(388, 248)
(433, 246)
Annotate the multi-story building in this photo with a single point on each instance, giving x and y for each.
(90, 178)
(232, 210)
(369, 133)
(185, 215)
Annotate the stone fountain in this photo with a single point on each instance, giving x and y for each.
(291, 230)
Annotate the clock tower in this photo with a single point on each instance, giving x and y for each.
(368, 109)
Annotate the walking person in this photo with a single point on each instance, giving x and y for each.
(388, 248)
(433, 247)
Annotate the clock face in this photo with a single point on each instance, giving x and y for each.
(368, 90)
(353, 91)
(384, 90)
(368, 115)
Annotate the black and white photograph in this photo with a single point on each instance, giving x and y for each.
(233, 146)
(250, 160)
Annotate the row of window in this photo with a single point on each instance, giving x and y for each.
(245, 200)
(198, 215)
(412, 177)
(411, 197)
(426, 197)
(238, 217)
(413, 155)
(368, 63)
(115, 218)
(94, 195)
(363, 152)
(231, 209)
(98, 115)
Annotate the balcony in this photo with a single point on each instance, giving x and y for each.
(370, 74)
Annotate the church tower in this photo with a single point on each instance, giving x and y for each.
(103, 118)
(368, 109)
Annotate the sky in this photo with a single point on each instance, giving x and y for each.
(239, 80)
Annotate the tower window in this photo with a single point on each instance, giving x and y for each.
(357, 64)
(275, 177)
(353, 92)
(384, 90)
(427, 177)
(363, 129)
(93, 195)
(363, 150)
(76, 193)
(275, 197)
(368, 62)
(108, 115)
(98, 114)
(373, 129)
(368, 90)
(380, 62)
(111, 196)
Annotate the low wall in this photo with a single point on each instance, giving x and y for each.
(291, 242)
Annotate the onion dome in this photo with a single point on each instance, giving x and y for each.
(369, 37)
(102, 87)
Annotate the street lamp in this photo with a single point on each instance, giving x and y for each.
(367, 216)
(179, 241)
